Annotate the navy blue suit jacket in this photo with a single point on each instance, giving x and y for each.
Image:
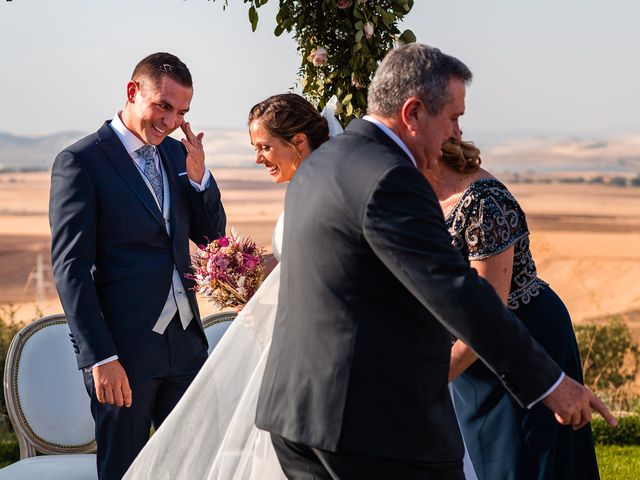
(112, 257)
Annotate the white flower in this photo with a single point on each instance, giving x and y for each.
(319, 57)
(355, 82)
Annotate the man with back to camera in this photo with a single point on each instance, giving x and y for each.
(355, 385)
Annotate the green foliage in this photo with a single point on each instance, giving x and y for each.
(8, 329)
(9, 449)
(609, 356)
(618, 463)
(626, 433)
(341, 43)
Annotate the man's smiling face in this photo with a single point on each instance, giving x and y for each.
(155, 109)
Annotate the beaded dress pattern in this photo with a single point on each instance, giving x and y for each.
(487, 220)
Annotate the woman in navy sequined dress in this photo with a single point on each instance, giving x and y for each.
(489, 228)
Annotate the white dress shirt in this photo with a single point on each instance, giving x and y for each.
(392, 135)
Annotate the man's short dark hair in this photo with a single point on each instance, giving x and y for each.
(161, 64)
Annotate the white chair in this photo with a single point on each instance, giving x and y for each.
(48, 405)
(215, 325)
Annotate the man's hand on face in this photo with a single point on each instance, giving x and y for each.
(195, 153)
(572, 404)
(112, 384)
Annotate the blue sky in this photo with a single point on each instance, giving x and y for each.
(541, 67)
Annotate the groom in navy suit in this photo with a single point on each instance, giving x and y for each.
(124, 203)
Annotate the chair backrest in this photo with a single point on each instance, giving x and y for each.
(215, 325)
(47, 402)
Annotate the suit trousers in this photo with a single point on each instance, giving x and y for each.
(301, 462)
(163, 370)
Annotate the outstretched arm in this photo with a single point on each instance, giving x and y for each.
(403, 224)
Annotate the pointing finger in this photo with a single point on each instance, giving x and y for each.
(599, 406)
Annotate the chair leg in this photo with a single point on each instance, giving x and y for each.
(26, 449)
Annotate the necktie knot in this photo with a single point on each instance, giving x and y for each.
(148, 152)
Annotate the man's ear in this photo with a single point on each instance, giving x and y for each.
(132, 89)
(410, 113)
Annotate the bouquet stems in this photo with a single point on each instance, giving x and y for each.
(232, 291)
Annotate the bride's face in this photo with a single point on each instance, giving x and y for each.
(280, 158)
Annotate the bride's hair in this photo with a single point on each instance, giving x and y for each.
(287, 114)
(463, 157)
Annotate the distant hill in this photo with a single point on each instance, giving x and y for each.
(223, 148)
(617, 154)
(232, 148)
(32, 152)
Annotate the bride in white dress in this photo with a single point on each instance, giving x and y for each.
(211, 435)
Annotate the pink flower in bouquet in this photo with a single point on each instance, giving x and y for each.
(251, 261)
(342, 4)
(221, 262)
(228, 270)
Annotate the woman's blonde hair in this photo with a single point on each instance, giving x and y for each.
(463, 157)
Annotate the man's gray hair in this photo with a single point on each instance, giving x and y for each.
(414, 70)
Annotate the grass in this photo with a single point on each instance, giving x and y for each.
(615, 462)
(618, 462)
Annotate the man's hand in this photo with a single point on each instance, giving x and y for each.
(572, 404)
(112, 384)
(195, 153)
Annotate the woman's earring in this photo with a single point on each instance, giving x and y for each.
(299, 155)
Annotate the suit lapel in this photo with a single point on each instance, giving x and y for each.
(172, 179)
(121, 160)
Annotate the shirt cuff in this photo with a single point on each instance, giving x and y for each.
(102, 362)
(548, 392)
(206, 180)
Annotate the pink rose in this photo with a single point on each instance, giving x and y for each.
(250, 261)
(319, 57)
(342, 4)
(223, 242)
(368, 29)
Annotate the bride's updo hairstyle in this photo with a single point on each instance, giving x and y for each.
(287, 114)
(463, 157)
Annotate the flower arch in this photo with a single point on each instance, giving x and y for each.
(341, 43)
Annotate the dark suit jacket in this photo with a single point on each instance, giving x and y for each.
(103, 215)
(370, 288)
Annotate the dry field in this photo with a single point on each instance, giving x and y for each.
(585, 238)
